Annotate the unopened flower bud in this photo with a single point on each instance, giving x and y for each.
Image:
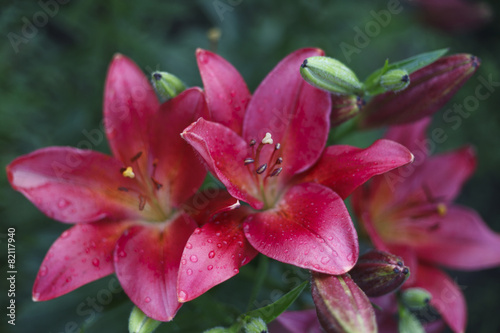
(140, 323)
(255, 325)
(331, 75)
(344, 107)
(431, 87)
(167, 85)
(416, 298)
(395, 80)
(378, 273)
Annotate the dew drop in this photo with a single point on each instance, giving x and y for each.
(240, 243)
(147, 300)
(197, 231)
(95, 262)
(193, 258)
(236, 270)
(217, 234)
(209, 240)
(189, 246)
(68, 279)
(211, 254)
(65, 234)
(189, 272)
(182, 296)
(316, 266)
(183, 261)
(43, 270)
(122, 254)
(219, 245)
(63, 203)
(210, 267)
(243, 261)
(325, 260)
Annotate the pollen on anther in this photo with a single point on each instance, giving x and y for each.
(261, 169)
(128, 172)
(276, 172)
(252, 142)
(441, 209)
(249, 160)
(279, 160)
(268, 140)
(278, 146)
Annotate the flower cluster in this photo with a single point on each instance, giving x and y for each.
(141, 213)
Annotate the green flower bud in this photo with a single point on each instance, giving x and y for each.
(167, 85)
(378, 273)
(345, 107)
(218, 329)
(416, 298)
(140, 323)
(395, 80)
(255, 325)
(331, 75)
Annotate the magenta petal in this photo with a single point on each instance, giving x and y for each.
(213, 254)
(73, 185)
(446, 296)
(309, 228)
(224, 153)
(226, 91)
(344, 168)
(461, 241)
(129, 102)
(412, 136)
(147, 262)
(82, 254)
(296, 322)
(294, 112)
(175, 165)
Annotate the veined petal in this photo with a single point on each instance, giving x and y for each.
(446, 296)
(294, 112)
(214, 253)
(147, 262)
(344, 168)
(82, 254)
(203, 204)
(129, 103)
(226, 91)
(461, 240)
(309, 228)
(174, 164)
(412, 136)
(224, 153)
(73, 185)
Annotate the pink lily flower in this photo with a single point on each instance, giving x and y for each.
(269, 151)
(127, 207)
(410, 212)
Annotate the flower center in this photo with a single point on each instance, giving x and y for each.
(148, 187)
(261, 172)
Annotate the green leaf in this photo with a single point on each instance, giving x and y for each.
(270, 312)
(408, 323)
(411, 64)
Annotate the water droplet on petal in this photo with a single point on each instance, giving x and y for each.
(189, 272)
(63, 203)
(183, 261)
(122, 254)
(211, 254)
(65, 234)
(316, 266)
(68, 279)
(325, 260)
(193, 258)
(43, 270)
(197, 231)
(219, 245)
(182, 296)
(147, 300)
(240, 243)
(95, 262)
(210, 267)
(236, 270)
(189, 246)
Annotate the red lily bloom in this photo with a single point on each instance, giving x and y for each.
(409, 212)
(126, 207)
(270, 152)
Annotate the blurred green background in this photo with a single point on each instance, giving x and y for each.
(51, 84)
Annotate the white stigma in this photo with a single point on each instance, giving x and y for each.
(268, 140)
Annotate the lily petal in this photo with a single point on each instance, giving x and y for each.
(214, 253)
(226, 91)
(82, 254)
(295, 113)
(73, 185)
(129, 103)
(203, 204)
(412, 136)
(296, 321)
(175, 165)
(224, 152)
(446, 296)
(461, 240)
(147, 262)
(344, 168)
(309, 228)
